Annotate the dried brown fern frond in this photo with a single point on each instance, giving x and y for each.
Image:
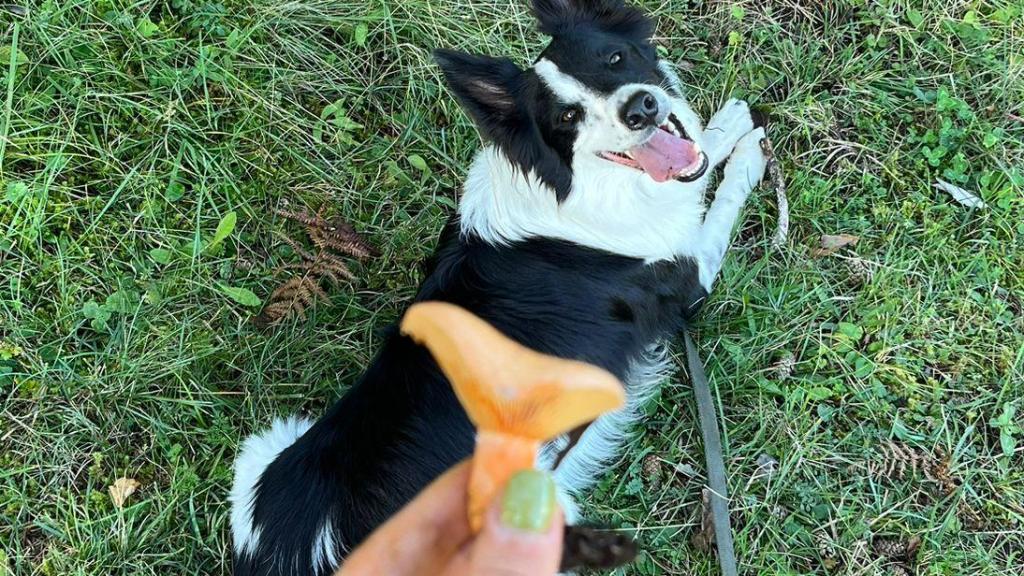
(299, 249)
(338, 243)
(292, 299)
(332, 233)
(332, 268)
(334, 239)
(898, 461)
(302, 216)
(322, 266)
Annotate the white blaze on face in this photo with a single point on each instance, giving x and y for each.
(663, 149)
(602, 129)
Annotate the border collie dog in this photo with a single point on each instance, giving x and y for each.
(582, 232)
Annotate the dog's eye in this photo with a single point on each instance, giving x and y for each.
(570, 115)
(615, 58)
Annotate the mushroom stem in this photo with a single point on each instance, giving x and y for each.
(497, 457)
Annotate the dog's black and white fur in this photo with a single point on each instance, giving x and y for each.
(555, 245)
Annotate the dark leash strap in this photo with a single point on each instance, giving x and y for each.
(713, 456)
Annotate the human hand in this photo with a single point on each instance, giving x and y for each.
(521, 535)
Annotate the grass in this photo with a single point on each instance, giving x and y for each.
(130, 131)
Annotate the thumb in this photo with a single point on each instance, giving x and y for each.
(522, 534)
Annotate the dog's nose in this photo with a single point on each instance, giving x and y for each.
(640, 111)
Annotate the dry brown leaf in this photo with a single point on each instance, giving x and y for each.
(830, 244)
(767, 466)
(586, 547)
(121, 489)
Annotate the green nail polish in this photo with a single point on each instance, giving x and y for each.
(529, 501)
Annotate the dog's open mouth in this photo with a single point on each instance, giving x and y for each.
(668, 155)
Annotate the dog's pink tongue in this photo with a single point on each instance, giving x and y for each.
(665, 156)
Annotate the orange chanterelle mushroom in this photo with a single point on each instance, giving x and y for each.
(516, 397)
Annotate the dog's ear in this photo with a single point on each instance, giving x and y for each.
(486, 87)
(613, 15)
(557, 16)
(498, 95)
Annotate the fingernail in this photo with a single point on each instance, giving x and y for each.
(529, 501)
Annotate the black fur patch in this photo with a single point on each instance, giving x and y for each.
(401, 426)
(621, 311)
(558, 17)
(760, 117)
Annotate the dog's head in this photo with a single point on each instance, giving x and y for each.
(597, 98)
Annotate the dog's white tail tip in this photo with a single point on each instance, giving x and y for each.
(258, 451)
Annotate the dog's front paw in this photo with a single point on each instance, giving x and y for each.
(731, 122)
(747, 162)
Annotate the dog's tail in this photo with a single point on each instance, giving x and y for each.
(258, 451)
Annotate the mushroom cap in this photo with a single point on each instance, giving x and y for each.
(504, 386)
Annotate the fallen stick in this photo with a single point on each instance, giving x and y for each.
(779, 184)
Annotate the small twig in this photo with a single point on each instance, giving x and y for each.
(1013, 116)
(779, 184)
